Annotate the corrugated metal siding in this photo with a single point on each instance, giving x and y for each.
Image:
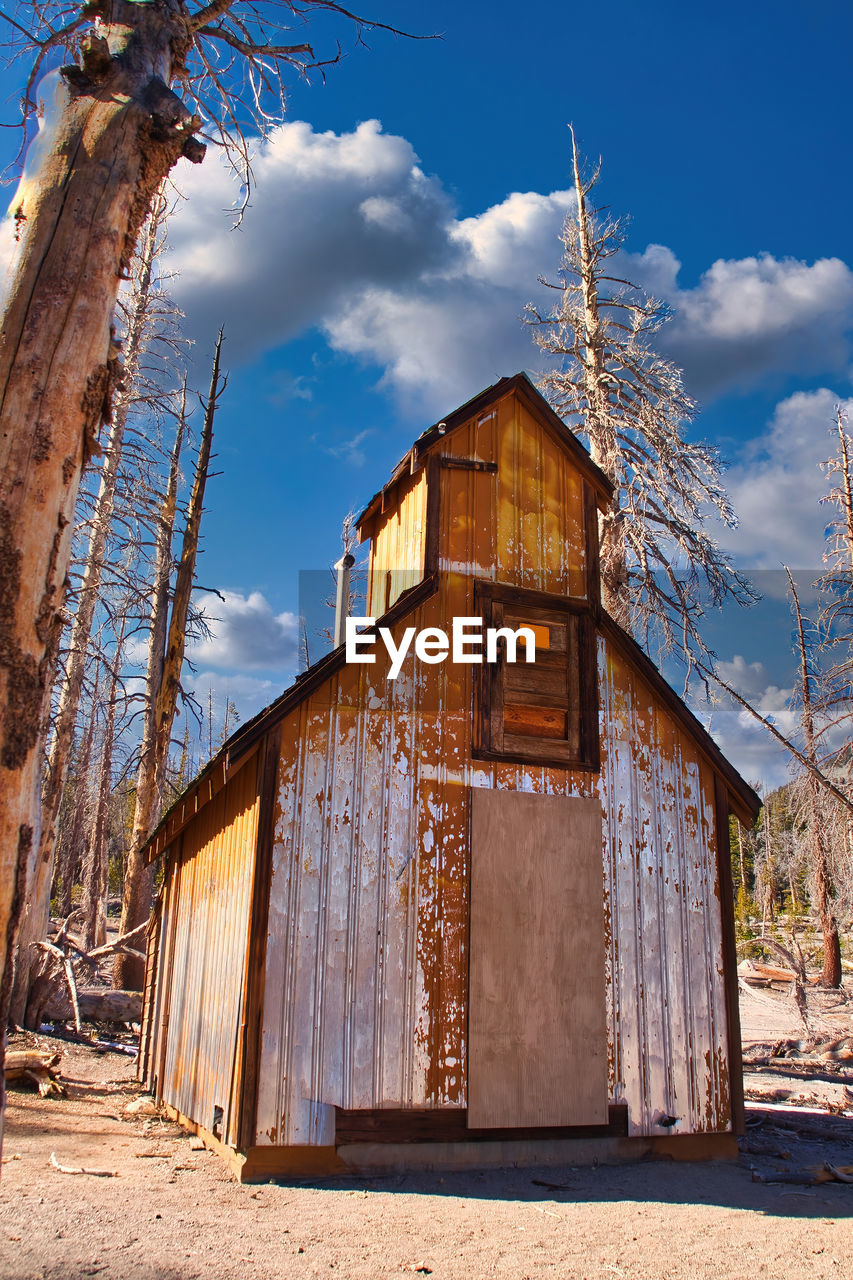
(367, 952)
(397, 547)
(203, 954)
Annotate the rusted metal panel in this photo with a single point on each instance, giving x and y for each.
(366, 960)
(206, 913)
(367, 948)
(365, 1002)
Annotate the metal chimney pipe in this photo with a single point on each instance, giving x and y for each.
(342, 567)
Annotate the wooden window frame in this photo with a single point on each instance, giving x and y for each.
(583, 695)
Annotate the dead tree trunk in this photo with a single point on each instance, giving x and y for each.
(95, 883)
(817, 827)
(137, 881)
(742, 865)
(602, 437)
(163, 686)
(112, 130)
(75, 836)
(35, 918)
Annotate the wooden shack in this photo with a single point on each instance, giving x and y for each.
(474, 914)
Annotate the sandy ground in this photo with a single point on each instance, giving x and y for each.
(173, 1211)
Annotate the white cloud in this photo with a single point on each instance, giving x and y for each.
(750, 317)
(513, 241)
(776, 485)
(749, 678)
(753, 751)
(329, 215)
(345, 233)
(284, 386)
(245, 635)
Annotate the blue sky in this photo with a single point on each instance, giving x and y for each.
(397, 229)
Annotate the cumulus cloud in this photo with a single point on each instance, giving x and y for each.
(329, 215)
(751, 317)
(776, 484)
(245, 635)
(346, 233)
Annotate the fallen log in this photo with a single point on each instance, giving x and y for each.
(824, 1125)
(19, 1061)
(96, 1004)
(766, 973)
(36, 1066)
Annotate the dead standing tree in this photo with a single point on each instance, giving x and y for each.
(834, 701)
(816, 804)
(148, 318)
(111, 131)
(836, 584)
(95, 878)
(659, 567)
(167, 643)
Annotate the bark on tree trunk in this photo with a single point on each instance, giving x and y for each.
(602, 442)
(821, 879)
(138, 878)
(96, 879)
(76, 826)
(96, 1005)
(831, 973)
(742, 863)
(37, 913)
(111, 131)
(162, 699)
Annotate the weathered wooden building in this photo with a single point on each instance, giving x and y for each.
(476, 913)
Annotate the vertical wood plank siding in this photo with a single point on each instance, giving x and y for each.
(203, 949)
(366, 971)
(397, 545)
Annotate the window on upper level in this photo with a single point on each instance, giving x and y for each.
(545, 711)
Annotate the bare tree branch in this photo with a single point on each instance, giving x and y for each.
(659, 567)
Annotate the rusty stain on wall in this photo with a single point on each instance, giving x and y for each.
(365, 984)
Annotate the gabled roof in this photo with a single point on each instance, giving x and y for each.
(245, 740)
(535, 402)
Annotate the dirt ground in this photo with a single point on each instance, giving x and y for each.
(173, 1211)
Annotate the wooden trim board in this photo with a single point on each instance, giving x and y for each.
(261, 1164)
(450, 1124)
(253, 1007)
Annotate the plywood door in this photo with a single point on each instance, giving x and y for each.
(537, 1031)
